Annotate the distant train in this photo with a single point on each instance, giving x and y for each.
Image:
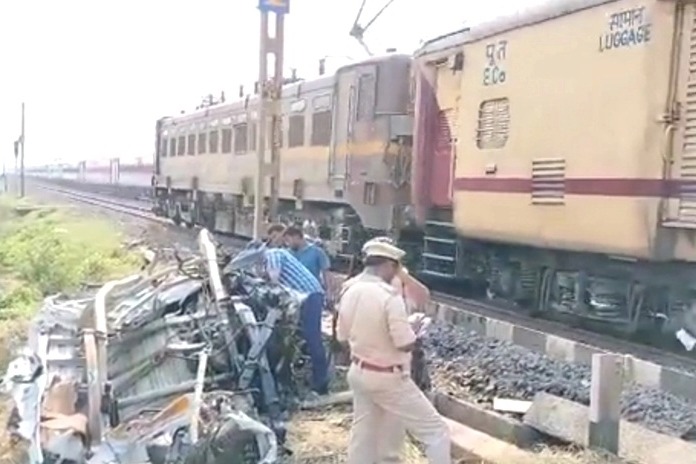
(549, 156)
(131, 180)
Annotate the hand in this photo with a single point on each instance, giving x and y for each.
(419, 323)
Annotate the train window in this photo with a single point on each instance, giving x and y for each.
(181, 146)
(321, 128)
(252, 136)
(163, 147)
(213, 141)
(227, 140)
(366, 97)
(296, 131)
(240, 138)
(202, 143)
(370, 193)
(493, 123)
(172, 146)
(191, 144)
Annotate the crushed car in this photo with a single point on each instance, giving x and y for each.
(199, 361)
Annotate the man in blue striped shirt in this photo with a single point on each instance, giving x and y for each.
(283, 268)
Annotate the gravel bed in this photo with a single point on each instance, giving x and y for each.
(467, 365)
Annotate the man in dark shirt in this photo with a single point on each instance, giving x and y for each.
(310, 255)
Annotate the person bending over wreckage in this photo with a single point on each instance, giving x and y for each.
(373, 321)
(284, 269)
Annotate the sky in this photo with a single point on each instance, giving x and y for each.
(95, 75)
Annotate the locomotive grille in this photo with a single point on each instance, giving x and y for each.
(687, 169)
(548, 181)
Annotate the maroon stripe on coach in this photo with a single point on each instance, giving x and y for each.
(616, 187)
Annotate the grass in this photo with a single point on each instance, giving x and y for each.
(47, 250)
(43, 251)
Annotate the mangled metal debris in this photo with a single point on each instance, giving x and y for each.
(193, 363)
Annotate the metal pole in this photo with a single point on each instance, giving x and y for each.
(270, 117)
(21, 159)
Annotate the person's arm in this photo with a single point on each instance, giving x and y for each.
(324, 266)
(414, 290)
(344, 322)
(274, 265)
(399, 327)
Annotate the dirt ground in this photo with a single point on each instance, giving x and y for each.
(321, 437)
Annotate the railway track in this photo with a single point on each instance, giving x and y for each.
(470, 309)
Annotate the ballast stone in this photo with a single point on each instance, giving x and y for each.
(467, 365)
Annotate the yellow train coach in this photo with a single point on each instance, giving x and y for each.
(568, 134)
(344, 142)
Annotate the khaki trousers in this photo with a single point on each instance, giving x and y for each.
(384, 404)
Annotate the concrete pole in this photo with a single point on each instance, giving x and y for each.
(261, 131)
(605, 402)
(269, 124)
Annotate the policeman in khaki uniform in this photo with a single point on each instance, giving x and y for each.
(415, 295)
(373, 320)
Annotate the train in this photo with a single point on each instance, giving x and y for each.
(344, 145)
(548, 156)
(128, 180)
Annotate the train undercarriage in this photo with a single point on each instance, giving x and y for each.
(648, 301)
(337, 225)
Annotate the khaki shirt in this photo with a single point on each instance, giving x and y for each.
(396, 283)
(372, 318)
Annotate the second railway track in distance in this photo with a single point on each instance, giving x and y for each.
(482, 308)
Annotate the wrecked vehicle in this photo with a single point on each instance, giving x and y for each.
(190, 363)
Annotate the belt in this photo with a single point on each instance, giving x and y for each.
(373, 367)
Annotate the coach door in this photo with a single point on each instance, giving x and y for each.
(344, 101)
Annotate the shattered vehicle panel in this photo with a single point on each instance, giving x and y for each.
(189, 363)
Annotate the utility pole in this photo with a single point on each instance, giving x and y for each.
(269, 111)
(21, 159)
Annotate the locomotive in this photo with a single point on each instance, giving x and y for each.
(345, 144)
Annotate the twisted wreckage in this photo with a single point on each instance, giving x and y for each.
(189, 363)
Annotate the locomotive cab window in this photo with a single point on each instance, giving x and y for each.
(226, 141)
(191, 144)
(240, 138)
(172, 146)
(213, 141)
(321, 128)
(493, 124)
(163, 147)
(202, 143)
(296, 131)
